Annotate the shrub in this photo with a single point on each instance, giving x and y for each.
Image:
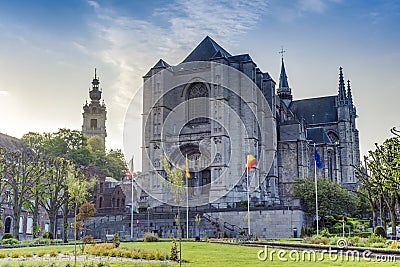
(380, 231)
(150, 237)
(48, 235)
(53, 253)
(393, 245)
(378, 245)
(7, 236)
(28, 254)
(15, 254)
(10, 241)
(174, 252)
(3, 255)
(115, 240)
(376, 239)
(41, 253)
(88, 239)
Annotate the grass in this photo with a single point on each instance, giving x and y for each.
(200, 254)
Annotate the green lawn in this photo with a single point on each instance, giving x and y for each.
(206, 255)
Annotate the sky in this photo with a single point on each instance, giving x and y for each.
(49, 49)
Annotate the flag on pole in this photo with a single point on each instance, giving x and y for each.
(129, 173)
(187, 168)
(251, 162)
(317, 159)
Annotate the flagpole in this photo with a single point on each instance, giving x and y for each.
(187, 197)
(248, 198)
(316, 188)
(131, 167)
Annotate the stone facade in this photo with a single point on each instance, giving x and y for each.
(283, 140)
(95, 113)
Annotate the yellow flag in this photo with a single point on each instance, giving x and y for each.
(187, 167)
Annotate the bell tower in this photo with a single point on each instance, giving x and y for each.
(95, 113)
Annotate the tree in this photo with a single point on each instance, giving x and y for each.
(175, 184)
(332, 197)
(78, 191)
(20, 170)
(384, 166)
(54, 192)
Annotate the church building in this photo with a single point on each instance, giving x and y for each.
(191, 111)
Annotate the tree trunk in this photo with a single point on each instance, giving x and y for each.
(65, 226)
(35, 217)
(51, 214)
(17, 214)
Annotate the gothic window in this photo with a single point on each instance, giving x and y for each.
(199, 110)
(93, 123)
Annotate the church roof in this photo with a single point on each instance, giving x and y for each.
(315, 110)
(318, 135)
(11, 143)
(160, 64)
(283, 82)
(206, 50)
(240, 58)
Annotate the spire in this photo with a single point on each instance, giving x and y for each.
(342, 89)
(283, 82)
(349, 96)
(284, 91)
(95, 93)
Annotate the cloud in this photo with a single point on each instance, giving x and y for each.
(4, 92)
(133, 45)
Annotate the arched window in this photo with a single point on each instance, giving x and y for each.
(198, 111)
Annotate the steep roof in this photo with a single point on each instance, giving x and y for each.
(316, 110)
(318, 135)
(206, 50)
(161, 64)
(283, 82)
(11, 143)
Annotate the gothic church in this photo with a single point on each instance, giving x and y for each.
(293, 128)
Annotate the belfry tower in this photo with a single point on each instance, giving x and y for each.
(95, 113)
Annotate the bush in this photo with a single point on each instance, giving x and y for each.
(15, 254)
(7, 236)
(9, 241)
(3, 255)
(41, 253)
(48, 235)
(378, 245)
(393, 245)
(28, 254)
(174, 252)
(115, 240)
(150, 237)
(53, 253)
(380, 231)
(375, 239)
(88, 239)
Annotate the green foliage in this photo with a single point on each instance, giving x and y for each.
(48, 235)
(150, 237)
(9, 241)
(241, 204)
(332, 197)
(115, 240)
(174, 252)
(7, 236)
(380, 231)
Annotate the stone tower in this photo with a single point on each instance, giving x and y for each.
(95, 113)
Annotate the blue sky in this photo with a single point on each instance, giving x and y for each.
(49, 49)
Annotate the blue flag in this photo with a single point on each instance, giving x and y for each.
(317, 159)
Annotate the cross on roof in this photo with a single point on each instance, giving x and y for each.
(282, 51)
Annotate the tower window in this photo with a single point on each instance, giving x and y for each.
(93, 123)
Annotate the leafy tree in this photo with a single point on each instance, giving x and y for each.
(95, 143)
(78, 191)
(115, 164)
(20, 170)
(175, 184)
(332, 197)
(384, 166)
